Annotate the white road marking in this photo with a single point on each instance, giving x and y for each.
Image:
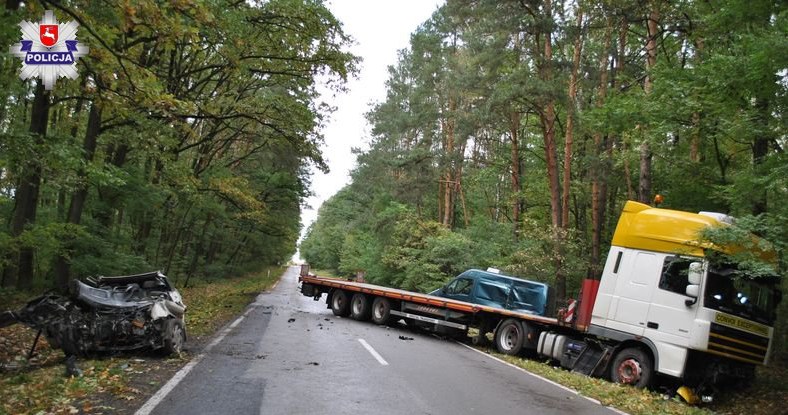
(543, 379)
(374, 353)
(175, 380)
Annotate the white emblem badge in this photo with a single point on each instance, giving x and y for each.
(49, 50)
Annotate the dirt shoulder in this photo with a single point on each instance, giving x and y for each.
(117, 383)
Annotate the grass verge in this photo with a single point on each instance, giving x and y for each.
(40, 385)
(625, 398)
(764, 397)
(212, 303)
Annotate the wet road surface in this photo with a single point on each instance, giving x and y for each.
(291, 355)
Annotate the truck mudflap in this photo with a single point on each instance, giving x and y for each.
(309, 290)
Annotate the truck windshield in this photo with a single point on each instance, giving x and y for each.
(729, 291)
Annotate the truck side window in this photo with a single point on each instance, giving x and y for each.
(674, 274)
(460, 286)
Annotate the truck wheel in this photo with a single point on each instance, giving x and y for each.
(340, 303)
(381, 310)
(509, 337)
(174, 336)
(359, 307)
(632, 366)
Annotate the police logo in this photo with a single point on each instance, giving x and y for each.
(48, 34)
(49, 50)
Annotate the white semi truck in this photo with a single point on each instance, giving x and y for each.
(660, 307)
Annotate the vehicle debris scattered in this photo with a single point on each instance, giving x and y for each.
(102, 314)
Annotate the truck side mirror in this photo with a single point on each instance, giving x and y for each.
(693, 290)
(694, 275)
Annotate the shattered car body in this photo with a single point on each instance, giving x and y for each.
(109, 314)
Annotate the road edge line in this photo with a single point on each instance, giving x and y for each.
(566, 388)
(165, 390)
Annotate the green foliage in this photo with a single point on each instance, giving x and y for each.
(536, 258)
(206, 130)
(714, 119)
(755, 257)
(408, 254)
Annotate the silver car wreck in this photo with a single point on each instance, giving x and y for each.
(108, 314)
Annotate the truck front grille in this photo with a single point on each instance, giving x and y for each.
(737, 344)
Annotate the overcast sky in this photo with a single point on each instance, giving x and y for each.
(380, 28)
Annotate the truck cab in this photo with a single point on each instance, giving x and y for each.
(496, 290)
(689, 316)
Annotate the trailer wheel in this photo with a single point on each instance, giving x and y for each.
(381, 310)
(359, 307)
(340, 303)
(632, 366)
(509, 337)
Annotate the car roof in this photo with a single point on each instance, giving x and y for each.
(496, 276)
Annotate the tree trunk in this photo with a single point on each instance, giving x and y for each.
(515, 118)
(198, 250)
(644, 189)
(450, 182)
(20, 268)
(598, 170)
(570, 119)
(62, 263)
(146, 222)
(551, 158)
(109, 196)
(760, 149)
(514, 132)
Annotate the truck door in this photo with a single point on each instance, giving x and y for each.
(669, 318)
(634, 288)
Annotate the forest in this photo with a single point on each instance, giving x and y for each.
(513, 132)
(184, 145)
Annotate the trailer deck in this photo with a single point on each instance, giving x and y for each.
(425, 299)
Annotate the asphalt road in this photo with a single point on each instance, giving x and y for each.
(291, 355)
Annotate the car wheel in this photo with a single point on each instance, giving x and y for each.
(174, 336)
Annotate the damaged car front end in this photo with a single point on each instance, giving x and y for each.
(109, 314)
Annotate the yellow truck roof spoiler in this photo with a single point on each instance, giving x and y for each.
(663, 230)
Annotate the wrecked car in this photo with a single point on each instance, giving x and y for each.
(108, 314)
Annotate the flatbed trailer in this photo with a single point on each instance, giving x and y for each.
(383, 305)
